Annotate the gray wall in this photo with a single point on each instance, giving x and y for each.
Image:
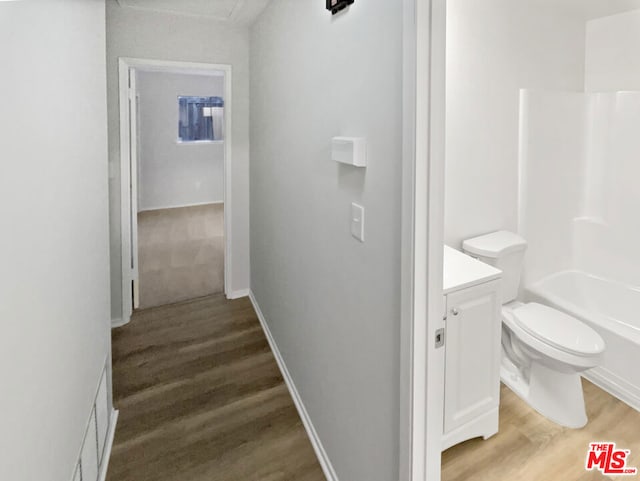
(172, 174)
(332, 303)
(153, 35)
(54, 287)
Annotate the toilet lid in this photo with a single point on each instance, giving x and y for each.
(558, 329)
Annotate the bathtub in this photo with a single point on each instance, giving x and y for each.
(613, 310)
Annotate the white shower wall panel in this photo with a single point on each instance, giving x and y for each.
(579, 176)
(552, 133)
(607, 235)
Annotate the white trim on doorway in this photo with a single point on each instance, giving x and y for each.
(422, 364)
(127, 173)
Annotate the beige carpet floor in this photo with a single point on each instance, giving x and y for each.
(180, 254)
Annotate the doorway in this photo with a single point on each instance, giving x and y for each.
(531, 150)
(175, 154)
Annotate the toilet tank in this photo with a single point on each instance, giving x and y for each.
(505, 251)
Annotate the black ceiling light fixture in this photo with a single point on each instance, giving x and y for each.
(336, 5)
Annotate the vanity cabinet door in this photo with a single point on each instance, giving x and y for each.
(472, 372)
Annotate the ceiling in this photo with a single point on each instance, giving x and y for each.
(245, 12)
(240, 12)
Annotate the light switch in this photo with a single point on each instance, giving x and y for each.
(357, 221)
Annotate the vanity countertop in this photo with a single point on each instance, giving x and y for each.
(461, 271)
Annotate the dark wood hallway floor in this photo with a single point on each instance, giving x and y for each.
(201, 398)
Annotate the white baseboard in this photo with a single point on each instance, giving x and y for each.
(323, 459)
(108, 446)
(614, 385)
(238, 294)
(118, 323)
(180, 206)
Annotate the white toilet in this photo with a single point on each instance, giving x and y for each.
(543, 350)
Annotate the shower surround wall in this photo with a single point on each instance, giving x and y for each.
(551, 157)
(607, 234)
(613, 65)
(579, 166)
(578, 183)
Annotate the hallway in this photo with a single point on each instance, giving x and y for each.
(201, 398)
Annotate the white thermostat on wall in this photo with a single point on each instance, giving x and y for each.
(349, 150)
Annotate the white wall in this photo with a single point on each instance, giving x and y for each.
(54, 287)
(495, 48)
(612, 60)
(153, 35)
(331, 302)
(173, 174)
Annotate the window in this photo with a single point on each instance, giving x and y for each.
(201, 119)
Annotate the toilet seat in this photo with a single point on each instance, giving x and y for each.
(541, 345)
(559, 330)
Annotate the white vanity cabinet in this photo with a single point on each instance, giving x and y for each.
(472, 348)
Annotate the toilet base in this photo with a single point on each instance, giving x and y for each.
(556, 395)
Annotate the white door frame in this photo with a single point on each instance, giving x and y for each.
(128, 167)
(422, 364)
